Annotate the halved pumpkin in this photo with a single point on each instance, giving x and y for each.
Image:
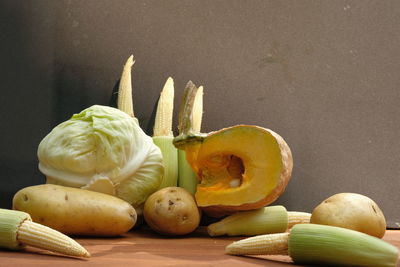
(242, 167)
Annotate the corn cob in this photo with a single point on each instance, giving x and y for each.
(321, 244)
(187, 178)
(17, 230)
(269, 244)
(163, 135)
(125, 102)
(267, 220)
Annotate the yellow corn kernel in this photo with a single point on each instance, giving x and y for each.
(125, 102)
(270, 244)
(297, 217)
(165, 109)
(40, 236)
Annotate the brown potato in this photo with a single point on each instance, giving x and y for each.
(75, 211)
(172, 211)
(352, 211)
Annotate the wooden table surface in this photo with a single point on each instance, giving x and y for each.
(142, 247)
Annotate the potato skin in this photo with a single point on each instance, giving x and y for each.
(172, 211)
(352, 211)
(75, 211)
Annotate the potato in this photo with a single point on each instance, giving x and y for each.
(75, 211)
(352, 211)
(172, 211)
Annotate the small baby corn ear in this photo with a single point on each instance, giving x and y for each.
(125, 102)
(165, 108)
(18, 230)
(163, 135)
(321, 244)
(267, 220)
(271, 244)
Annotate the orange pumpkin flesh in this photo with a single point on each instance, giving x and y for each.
(242, 167)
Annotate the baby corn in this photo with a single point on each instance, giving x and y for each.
(17, 230)
(163, 135)
(125, 102)
(270, 244)
(321, 244)
(267, 220)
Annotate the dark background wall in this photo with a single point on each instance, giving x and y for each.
(323, 74)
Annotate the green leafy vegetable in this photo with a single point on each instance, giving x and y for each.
(102, 149)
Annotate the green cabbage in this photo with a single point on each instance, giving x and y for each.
(102, 149)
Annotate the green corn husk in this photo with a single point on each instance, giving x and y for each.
(267, 220)
(170, 160)
(187, 178)
(9, 225)
(322, 244)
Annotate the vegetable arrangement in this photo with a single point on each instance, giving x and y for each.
(104, 174)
